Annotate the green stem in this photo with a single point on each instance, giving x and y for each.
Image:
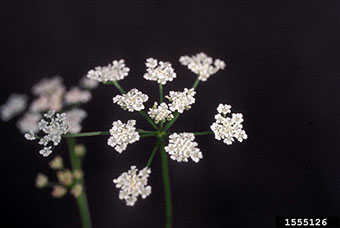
(171, 122)
(195, 83)
(85, 134)
(161, 97)
(142, 113)
(176, 115)
(166, 182)
(204, 133)
(76, 164)
(148, 119)
(116, 84)
(154, 150)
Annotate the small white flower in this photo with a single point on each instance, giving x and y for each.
(46, 151)
(30, 136)
(112, 72)
(47, 102)
(74, 118)
(202, 65)
(132, 101)
(224, 109)
(160, 113)
(16, 103)
(56, 163)
(75, 95)
(181, 101)
(133, 184)
(41, 180)
(88, 83)
(162, 72)
(226, 128)
(48, 86)
(182, 146)
(58, 191)
(77, 190)
(122, 134)
(54, 127)
(29, 122)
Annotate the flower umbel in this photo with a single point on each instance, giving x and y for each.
(181, 101)
(182, 146)
(160, 113)
(202, 65)
(132, 184)
(132, 101)
(112, 72)
(122, 134)
(54, 127)
(226, 128)
(15, 104)
(161, 72)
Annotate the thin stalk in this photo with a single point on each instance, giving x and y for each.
(204, 133)
(176, 115)
(154, 150)
(76, 164)
(147, 135)
(161, 96)
(86, 134)
(142, 113)
(171, 122)
(195, 83)
(116, 84)
(166, 182)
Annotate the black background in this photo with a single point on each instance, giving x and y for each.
(283, 75)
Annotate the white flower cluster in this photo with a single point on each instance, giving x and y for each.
(160, 113)
(76, 95)
(73, 118)
(202, 65)
(29, 122)
(54, 127)
(132, 184)
(15, 104)
(112, 72)
(131, 101)
(182, 146)
(161, 72)
(226, 128)
(88, 83)
(122, 134)
(181, 101)
(50, 92)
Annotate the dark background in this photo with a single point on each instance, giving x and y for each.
(283, 75)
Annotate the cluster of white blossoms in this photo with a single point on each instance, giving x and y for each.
(226, 128)
(66, 179)
(29, 122)
(159, 71)
(182, 146)
(132, 101)
(132, 184)
(181, 101)
(76, 95)
(50, 92)
(16, 103)
(112, 72)
(160, 113)
(202, 65)
(54, 127)
(122, 134)
(88, 83)
(74, 118)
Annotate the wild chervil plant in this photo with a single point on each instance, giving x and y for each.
(56, 114)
